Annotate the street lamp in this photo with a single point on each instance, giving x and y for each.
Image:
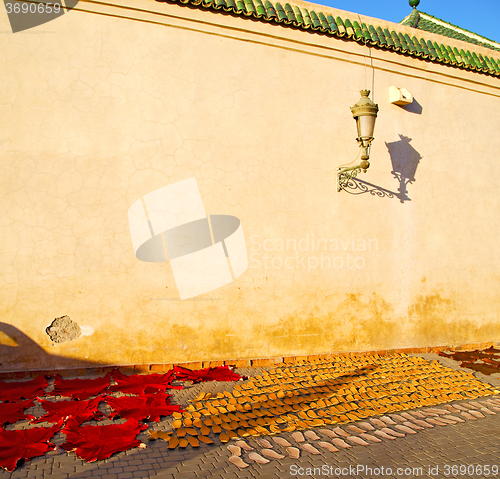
(365, 114)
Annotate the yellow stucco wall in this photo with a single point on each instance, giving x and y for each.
(106, 104)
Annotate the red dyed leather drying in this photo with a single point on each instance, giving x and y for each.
(486, 361)
(95, 443)
(81, 411)
(12, 392)
(92, 443)
(80, 388)
(25, 444)
(221, 373)
(158, 399)
(141, 407)
(140, 384)
(13, 412)
(151, 383)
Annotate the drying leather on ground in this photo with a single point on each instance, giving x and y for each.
(95, 443)
(80, 388)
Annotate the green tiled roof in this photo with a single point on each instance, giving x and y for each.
(424, 21)
(292, 16)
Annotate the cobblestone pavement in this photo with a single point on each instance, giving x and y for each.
(465, 449)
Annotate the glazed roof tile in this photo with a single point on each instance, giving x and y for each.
(428, 23)
(322, 21)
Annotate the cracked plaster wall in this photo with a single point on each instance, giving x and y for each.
(98, 111)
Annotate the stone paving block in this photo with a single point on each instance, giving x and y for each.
(58, 476)
(156, 467)
(130, 468)
(64, 470)
(195, 461)
(145, 467)
(177, 454)
(155, 455)
(454, 454)
(64, 460)
(80, 473)
(364, 454)
(248, 473)
(167, 470)
(219, 469)
(115, 470)
(184, 475)
(207, 466)
(85, 468)
(19, 474)
(210, 460)
(168, 462)
(99, 471)
(190, 468)
(32, 474)
(202, 473)
(232, 469)
(282, 468)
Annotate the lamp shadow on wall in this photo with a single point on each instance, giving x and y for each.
(405, 160)
(17, 348)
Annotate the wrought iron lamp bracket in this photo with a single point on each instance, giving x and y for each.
(346, 175)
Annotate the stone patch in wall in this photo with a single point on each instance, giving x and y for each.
(63, 329)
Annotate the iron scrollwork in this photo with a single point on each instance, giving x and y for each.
(355, 186)
(346, 177)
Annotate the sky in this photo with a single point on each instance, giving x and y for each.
(478, 16)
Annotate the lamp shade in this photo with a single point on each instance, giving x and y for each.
(365, 114)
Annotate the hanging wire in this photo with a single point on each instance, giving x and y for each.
(366, 69)
(364, 41)
(366, 81)
(371, 61)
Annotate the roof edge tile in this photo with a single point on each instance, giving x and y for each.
(426, 22)
(326, 20)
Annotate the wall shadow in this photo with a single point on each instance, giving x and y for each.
(22, 350)
(413, 107)
(405, 160)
